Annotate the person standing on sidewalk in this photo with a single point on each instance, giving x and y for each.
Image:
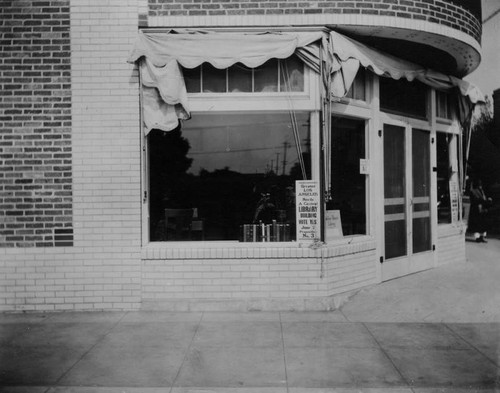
(480, 204)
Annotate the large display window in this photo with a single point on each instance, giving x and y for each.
(223, 172)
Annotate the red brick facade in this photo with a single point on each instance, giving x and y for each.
(442, 12)
(35, 124)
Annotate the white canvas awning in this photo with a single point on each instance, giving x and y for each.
(165, 97)
(348, 55)
(192, 48)
(164, 92)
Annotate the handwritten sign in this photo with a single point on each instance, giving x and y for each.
(333, 225)
(454, 201)
(307, 204)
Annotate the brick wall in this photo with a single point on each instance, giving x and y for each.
(256, 278)
(352, 270)
(102, 270)
(451, 245)
(436, 11)
(35, 124)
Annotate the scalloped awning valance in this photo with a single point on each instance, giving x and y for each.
(334, 55)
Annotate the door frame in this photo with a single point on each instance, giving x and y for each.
(410, 263)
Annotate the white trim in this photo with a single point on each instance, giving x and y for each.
(422, 214)
(314, 119)
(424, 199)
(393, 201)
(433, 156)
(313, 19)
(394, 217)
(251, 251)
(145, 190)
(228, 102)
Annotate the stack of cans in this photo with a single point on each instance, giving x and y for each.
(275, 232)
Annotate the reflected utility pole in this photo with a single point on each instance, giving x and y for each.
(286, 145)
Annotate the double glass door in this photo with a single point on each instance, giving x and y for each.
(407, 200)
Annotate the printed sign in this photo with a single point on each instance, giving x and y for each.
(454, 201)
(333, 225)
(307, 204)
(364, 166)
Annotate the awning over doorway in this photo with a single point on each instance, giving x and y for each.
(383, 64)
(348, 55)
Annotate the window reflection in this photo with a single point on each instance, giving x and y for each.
(231, 169)
(239, 79)
(266, 77)
(291, 75)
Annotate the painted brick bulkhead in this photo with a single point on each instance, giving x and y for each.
(71, 179)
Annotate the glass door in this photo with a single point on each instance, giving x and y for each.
(395, 218)
(407, 200)
(421, 199)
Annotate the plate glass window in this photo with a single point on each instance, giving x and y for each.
(226, 170)
(348, 185)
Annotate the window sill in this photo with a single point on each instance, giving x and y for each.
(241, 250)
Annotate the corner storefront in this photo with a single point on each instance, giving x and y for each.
(285, 168)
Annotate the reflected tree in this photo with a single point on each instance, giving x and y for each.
(169, 181)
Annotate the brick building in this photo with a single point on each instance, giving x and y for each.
(312, 148)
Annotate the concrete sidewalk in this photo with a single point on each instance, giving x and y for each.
(415, 334)
(467, 292)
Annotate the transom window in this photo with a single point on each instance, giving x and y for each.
(444, 105)
(358, 87)
(274, 76)
(403, 97)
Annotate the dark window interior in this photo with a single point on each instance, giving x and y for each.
(443, 176)
(348, 185)
(403, 97)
